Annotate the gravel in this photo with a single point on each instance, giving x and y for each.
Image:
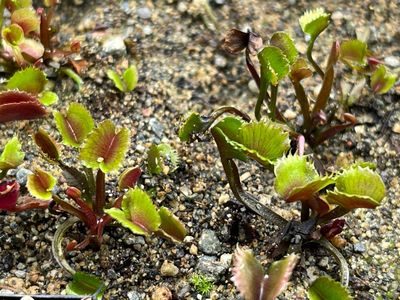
(181, 69)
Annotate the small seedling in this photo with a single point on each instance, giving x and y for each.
(202, 284)
(127, 82)
(162, 158)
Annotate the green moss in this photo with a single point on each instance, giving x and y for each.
(201, 283)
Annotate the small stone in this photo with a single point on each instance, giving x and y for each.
(144, 13)
(26, 298)
(133, 295)
(359, 248)
(168, 269)
(22, 176)
(20, 273)
(193, 249)
(156, 127)
(253, 87)
(224, 198)
(147, 30)
(396, 127)
(209, 242)
(289, 114)
(220, 61)
(211, 266)
(226, 259)
(114, 45)
(161, 293)
(323, 262)
(392, 61)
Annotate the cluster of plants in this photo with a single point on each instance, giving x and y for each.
(100, 150)
(280, 146)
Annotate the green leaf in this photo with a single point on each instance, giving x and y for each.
(73, 75)
(116, 79)
(16, 4)
(48, 98)
(40, 184)
(74, 125)
(283, 41)
(129, 177)
(248, 274)
(170, 226)
(193, 124)
(12, 156)
(357, 187)
(105, 147)
(31, 80)
(382, 81)
(138, 213)
(274, 64)
(296, 179)
(325, 288)
(26, 18)
(13, 34)
(47, 144)
(353, 53)
(278, 277)
(313, 22)
(263, 141)
(85, 284)
(131, 78)
(162, 158)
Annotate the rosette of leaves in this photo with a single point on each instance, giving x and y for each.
(253, 284)
(162, 158)
(25, 96)
(357, 187)
(296, 179)
(127, 82)
(140, 215)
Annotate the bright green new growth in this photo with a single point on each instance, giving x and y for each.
(162, 158)
(128, 81)
(31, 80)
(274, 64)
(48, 98)
(74, 125)
(296, 178)
(13, 34)
(12, 156)
(171, 227)
(357, 187)
(105, 147)
(284, 42)
(85, 284)
(353, 53)
(382, 81)
(202, 283)
(73, 75)
(40, 184)
(325, 288)
(193, 124)
(137, 213)
(313, 22)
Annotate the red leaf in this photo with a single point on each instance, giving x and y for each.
(18, 105)
(9, 193)
(129, 177)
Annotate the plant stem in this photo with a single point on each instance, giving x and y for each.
(252, 69)
(272, 102)
(304, 105)
(70, 209)
(227, 109)
(344, 267)
(100, 199)
(305, 212)
(263, 94)
(247, 199)
(333, 214)
(310, 58)
(57, 247)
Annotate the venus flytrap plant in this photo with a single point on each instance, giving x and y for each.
(324, 197)
(162, 158)
(101, 150)
(280, 60)
(127, 82)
